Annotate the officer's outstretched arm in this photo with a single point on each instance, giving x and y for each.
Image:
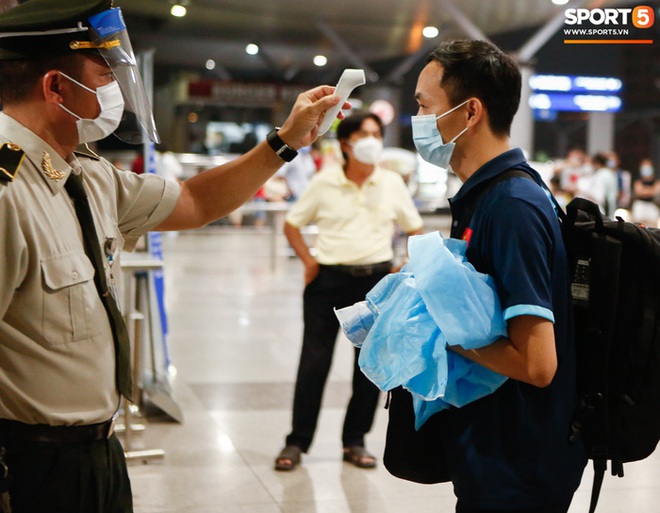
(216, 192)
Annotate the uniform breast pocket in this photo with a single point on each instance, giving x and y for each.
(72, 309)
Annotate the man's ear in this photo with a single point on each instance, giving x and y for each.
(475, 111)
(51, 84)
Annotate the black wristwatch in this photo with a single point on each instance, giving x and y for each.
(282, 149)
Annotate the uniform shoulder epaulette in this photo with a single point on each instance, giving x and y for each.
(84, 151)
(11, 156)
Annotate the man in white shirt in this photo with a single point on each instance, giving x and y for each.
(356, 208)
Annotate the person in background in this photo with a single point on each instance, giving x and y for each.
(623, 178)
(646, 190)
(604, 187)
(509, 451)
(298, 173)
(571, 169)
(317, 155)
(65, 218)
(168, 165)
(137, 166)
(562, 197)
(356, 207)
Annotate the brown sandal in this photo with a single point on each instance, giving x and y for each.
(359, 456)
(288, 458)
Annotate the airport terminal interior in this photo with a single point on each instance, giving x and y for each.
(216, 313)
(219, 407)
(235, 326)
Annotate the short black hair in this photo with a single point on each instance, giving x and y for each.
(474, 68)
(353, 123)
(600, 159)
(18, 77)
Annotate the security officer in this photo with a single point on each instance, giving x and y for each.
(68, 76)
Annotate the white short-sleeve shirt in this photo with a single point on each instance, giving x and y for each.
(355, 224)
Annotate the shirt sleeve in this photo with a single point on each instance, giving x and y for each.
(143, 201)
(408, 216)
(520, 240)
(303, 211)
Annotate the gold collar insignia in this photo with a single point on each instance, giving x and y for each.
(49, 170)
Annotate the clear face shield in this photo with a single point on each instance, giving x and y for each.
(109, 36)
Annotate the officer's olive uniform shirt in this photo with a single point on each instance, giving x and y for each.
(355, 224)
(57, 363)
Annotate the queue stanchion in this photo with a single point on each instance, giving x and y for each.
(136, 314)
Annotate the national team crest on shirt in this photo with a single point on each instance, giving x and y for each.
(467, 235)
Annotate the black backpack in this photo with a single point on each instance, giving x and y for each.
(615, 269)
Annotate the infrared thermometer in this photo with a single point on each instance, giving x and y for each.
(349, 80)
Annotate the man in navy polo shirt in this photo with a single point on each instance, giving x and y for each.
(510, 451)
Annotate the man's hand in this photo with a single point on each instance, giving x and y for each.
(301, 127)
(217, 192)
(311, 272)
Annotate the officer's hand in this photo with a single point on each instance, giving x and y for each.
(301, 127)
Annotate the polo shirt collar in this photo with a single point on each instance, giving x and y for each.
(372, 179)
(507, 160)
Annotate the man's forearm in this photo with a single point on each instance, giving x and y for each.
(528, 355)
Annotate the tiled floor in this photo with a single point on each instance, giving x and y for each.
(235, 327)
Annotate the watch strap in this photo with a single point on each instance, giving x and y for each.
(281, 149)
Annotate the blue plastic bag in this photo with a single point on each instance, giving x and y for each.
(438, 298)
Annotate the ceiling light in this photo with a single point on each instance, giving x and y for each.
(560, 2)
(252, 49)
(430, 32)
(178, 10)
(210, 64)
(320, 60)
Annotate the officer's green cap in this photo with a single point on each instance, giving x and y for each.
(46, 27)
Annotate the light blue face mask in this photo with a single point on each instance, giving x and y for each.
(428, 140)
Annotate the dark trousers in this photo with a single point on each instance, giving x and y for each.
(68, 477)
(330, 289)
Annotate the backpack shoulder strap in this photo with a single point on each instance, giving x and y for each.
(599, 473)
(478, 193)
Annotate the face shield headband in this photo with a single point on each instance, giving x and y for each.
(109, 36)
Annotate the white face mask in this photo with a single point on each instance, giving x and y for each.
(111, 102)
(646, 171)
(368, 150)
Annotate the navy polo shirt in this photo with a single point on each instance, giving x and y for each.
(511, 449)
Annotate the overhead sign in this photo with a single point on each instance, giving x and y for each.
(575, 84)
(243, 94)
(575, 93)
(575, 102)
